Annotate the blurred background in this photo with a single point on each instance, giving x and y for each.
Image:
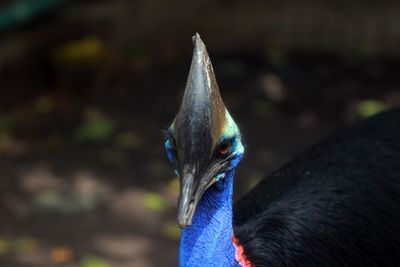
(87, 86)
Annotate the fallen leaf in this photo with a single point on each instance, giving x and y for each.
(61, 255)
(86, 50)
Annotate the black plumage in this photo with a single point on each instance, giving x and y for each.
(336, 205)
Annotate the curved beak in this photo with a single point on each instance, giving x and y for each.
(187, 200)
(192, 188)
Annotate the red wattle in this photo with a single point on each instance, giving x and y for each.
(239, 255)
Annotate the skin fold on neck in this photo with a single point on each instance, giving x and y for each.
(208, 241)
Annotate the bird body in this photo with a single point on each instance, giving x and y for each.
(336, 205)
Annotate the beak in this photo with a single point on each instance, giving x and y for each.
(191, 191)
(193, 185)
(187, 202)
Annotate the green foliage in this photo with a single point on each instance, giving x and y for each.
(5, 246)
(24, 244)
(43, 105)
(88, 51)
(367, 108)
(7, 123)
(94, 261)
(114, 157)
(19, 244)
(95, 128)
(173, 186)
(363, 51)
(171, 230)
(127, 140)
(154, 202)
(64, 202)
(275, 53)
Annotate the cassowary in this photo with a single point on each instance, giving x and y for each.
(336, 205)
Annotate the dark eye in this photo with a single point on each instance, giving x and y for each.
(224, 148)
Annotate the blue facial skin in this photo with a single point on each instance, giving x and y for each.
(208, 241)
(168, 148)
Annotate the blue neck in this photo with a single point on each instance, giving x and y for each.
(208, 242)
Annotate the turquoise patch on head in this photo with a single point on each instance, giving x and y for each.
(168, 148)
(232, 131)
(220, 176)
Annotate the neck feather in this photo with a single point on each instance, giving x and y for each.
(208, 242)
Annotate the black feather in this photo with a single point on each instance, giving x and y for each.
(336, 205)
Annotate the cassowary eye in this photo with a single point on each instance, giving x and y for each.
(224, 148)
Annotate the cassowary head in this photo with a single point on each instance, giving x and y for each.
(203, 142)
